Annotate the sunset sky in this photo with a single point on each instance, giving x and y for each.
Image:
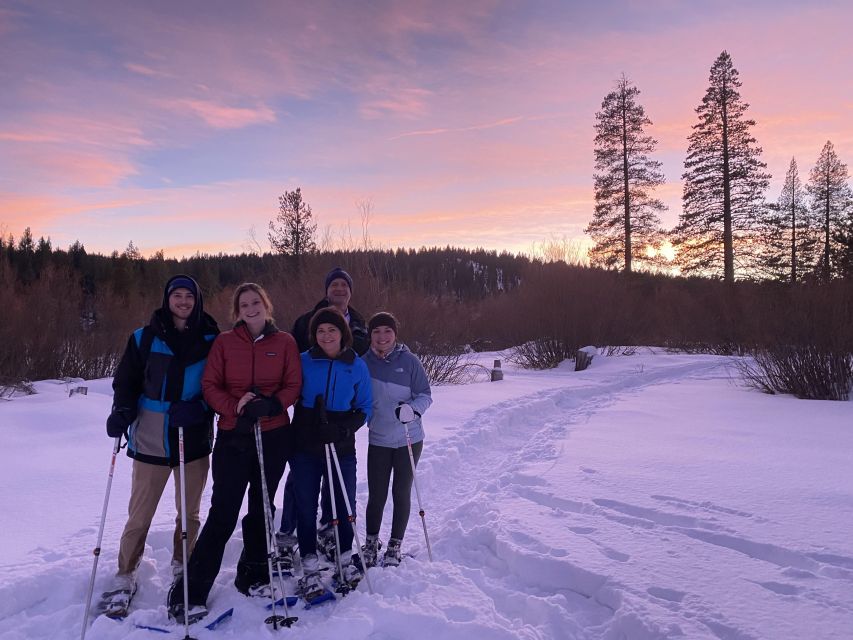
(177, 124)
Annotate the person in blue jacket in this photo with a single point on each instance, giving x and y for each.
(335, 402)
(157, 387)
(401, 394)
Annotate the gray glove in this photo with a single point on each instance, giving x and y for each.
(405, 413)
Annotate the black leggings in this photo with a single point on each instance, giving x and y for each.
(380, 462)
(235, 467)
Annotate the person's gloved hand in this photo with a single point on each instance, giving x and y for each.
(119, 421)
(245, 424)
(263, 407)
(331, 433)
(187, 413)
(405, 413)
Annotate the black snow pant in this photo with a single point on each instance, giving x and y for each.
(381, 461)
(235, 467)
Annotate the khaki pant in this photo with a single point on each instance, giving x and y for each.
(147, 485)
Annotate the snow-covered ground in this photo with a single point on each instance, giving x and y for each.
(647, 497)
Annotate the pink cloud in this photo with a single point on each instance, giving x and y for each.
(145, 70)
(224, 117)
(477, 127)
(408, 103)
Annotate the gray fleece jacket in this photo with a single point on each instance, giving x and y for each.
(398, 377)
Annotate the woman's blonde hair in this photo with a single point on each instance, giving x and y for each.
(243, 288)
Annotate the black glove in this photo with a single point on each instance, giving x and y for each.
(350, 420)
(245, 424)
(263, 407)
(119, 422)
(187, 413)
(331, 433)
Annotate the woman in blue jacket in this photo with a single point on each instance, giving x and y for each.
(401, 394)
(335, 402)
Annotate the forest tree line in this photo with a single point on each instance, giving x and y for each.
(69, 312)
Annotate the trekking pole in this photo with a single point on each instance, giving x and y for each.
(274, 619)
(335, 522)
(97, 551)
(417, 490)
(350, 514)
(320, 406)
(186, 580)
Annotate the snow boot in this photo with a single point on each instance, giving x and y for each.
(310, 587)
(115, 603)
(370, 550)
(175, 604)
(286, 547)
(393, 553)
(326, 542)
(196, 613)
(353, 572)
(251, 577)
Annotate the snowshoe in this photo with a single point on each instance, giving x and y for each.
(115, 604)
(312, 590)
(393, 554)
(370, 550)
(196, 613)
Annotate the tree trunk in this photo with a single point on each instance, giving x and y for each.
(627, 191)
(728, 249)
(793, 234)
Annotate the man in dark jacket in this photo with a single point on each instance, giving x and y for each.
(338, 294)
(157, 388)
(338, 287)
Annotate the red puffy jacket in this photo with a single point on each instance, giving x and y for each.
(237, 363)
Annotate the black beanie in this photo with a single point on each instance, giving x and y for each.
(182, 282)
(330, 315)
(382, 319)
(336, 273)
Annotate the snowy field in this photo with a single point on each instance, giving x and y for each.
(647, 497)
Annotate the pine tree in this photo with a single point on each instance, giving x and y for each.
(626, 214)
(831, 202)
(789, 238)
(724, 182)
(295, 232)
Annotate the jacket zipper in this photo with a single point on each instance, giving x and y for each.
(328, 380)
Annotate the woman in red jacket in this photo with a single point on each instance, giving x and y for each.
(252, 373)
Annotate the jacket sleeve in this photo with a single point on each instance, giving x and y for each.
(349, 420)
(363, 400)
(129, 375)
(213, 385)
(421, 391)
(300, 333)
(291, 379)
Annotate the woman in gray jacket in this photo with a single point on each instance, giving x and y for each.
(401, 394)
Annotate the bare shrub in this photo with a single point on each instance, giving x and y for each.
(804, 371)
(541, 353)
(445, 364)
(617, 350)
(8, 388)
(82, 358)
